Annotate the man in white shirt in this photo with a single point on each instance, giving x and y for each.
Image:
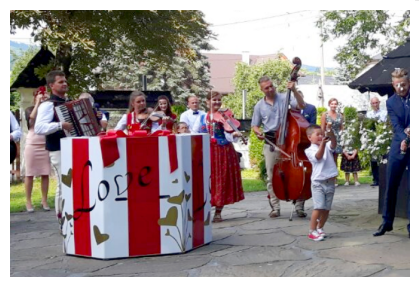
(376, 113)
(380, 115)
(15, 134)
(192, 114)
(47, 124)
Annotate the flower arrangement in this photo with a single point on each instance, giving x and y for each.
(376, 138)
(371, 137)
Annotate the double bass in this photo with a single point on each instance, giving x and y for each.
(291, 175)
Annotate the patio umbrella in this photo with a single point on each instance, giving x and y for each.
(378, 78)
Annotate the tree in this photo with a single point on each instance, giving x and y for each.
(367, 31)
(246, 78)
(20, 60)
(182, 77)
(85, 40)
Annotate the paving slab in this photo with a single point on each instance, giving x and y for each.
(247, 243)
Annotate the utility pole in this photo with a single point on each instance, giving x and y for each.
(321, 86)
(245, 59)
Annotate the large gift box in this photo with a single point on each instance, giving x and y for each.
(135, 196)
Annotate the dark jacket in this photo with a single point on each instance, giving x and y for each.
(310, 113)
(400, 119)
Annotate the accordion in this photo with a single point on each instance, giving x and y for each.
(80, 114)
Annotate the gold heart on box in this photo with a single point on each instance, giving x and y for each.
(170, 219)
(66, 178)
(177, 199)
(207, 222)
(68, 216)
(175, 181)
(187, 177)
(188, 196)
(100, 237)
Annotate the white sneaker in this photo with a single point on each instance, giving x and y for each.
(346, 183)
(315, 236)
(320, 231)
(357, 183)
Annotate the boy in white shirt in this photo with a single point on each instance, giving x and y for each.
(320, 154)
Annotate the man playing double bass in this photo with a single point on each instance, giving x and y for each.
(268, 111)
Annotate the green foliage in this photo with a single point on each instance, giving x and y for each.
(182, 77)
(320, 111)
(178, 110)
(255, 150)
(19, 62)
(366, 31)
(87, 39)
(350, 113)
(246, 78)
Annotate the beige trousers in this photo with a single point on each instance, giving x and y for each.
(55, 158)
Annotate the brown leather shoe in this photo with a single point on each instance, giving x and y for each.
(301, 213)
(274, 214)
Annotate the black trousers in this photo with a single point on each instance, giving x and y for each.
(395, 170)
(13, 151)
(375, 171)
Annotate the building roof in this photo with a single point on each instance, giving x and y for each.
(223, 67)
(27, 78)
(378, 78)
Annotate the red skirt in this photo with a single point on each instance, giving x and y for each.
(226, 180)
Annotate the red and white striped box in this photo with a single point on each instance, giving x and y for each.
(154, 199)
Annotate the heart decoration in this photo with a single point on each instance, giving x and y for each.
(177, 199)
(208, 221)
(68, 216)
(175, 181)
(170, 219)
(67, 178)
(187, 177)
(188, 196)
(111, 165)
(100, 237)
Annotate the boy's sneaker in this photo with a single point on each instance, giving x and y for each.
(357, 183)
(346, 183)
(320, 231)
(315, 236)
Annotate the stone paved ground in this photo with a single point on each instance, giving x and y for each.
(247, 243)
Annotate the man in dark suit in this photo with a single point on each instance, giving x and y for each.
(398, 108)
(309, 112)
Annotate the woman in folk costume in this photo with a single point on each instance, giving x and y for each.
(137, 117)
(226, 181)
(168, 117)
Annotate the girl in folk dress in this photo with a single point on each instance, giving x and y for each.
(226, 182)
(137, 113)
(165, 123)
(36, 156)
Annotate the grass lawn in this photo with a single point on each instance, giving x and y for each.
(18, 197)
(251, 182)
